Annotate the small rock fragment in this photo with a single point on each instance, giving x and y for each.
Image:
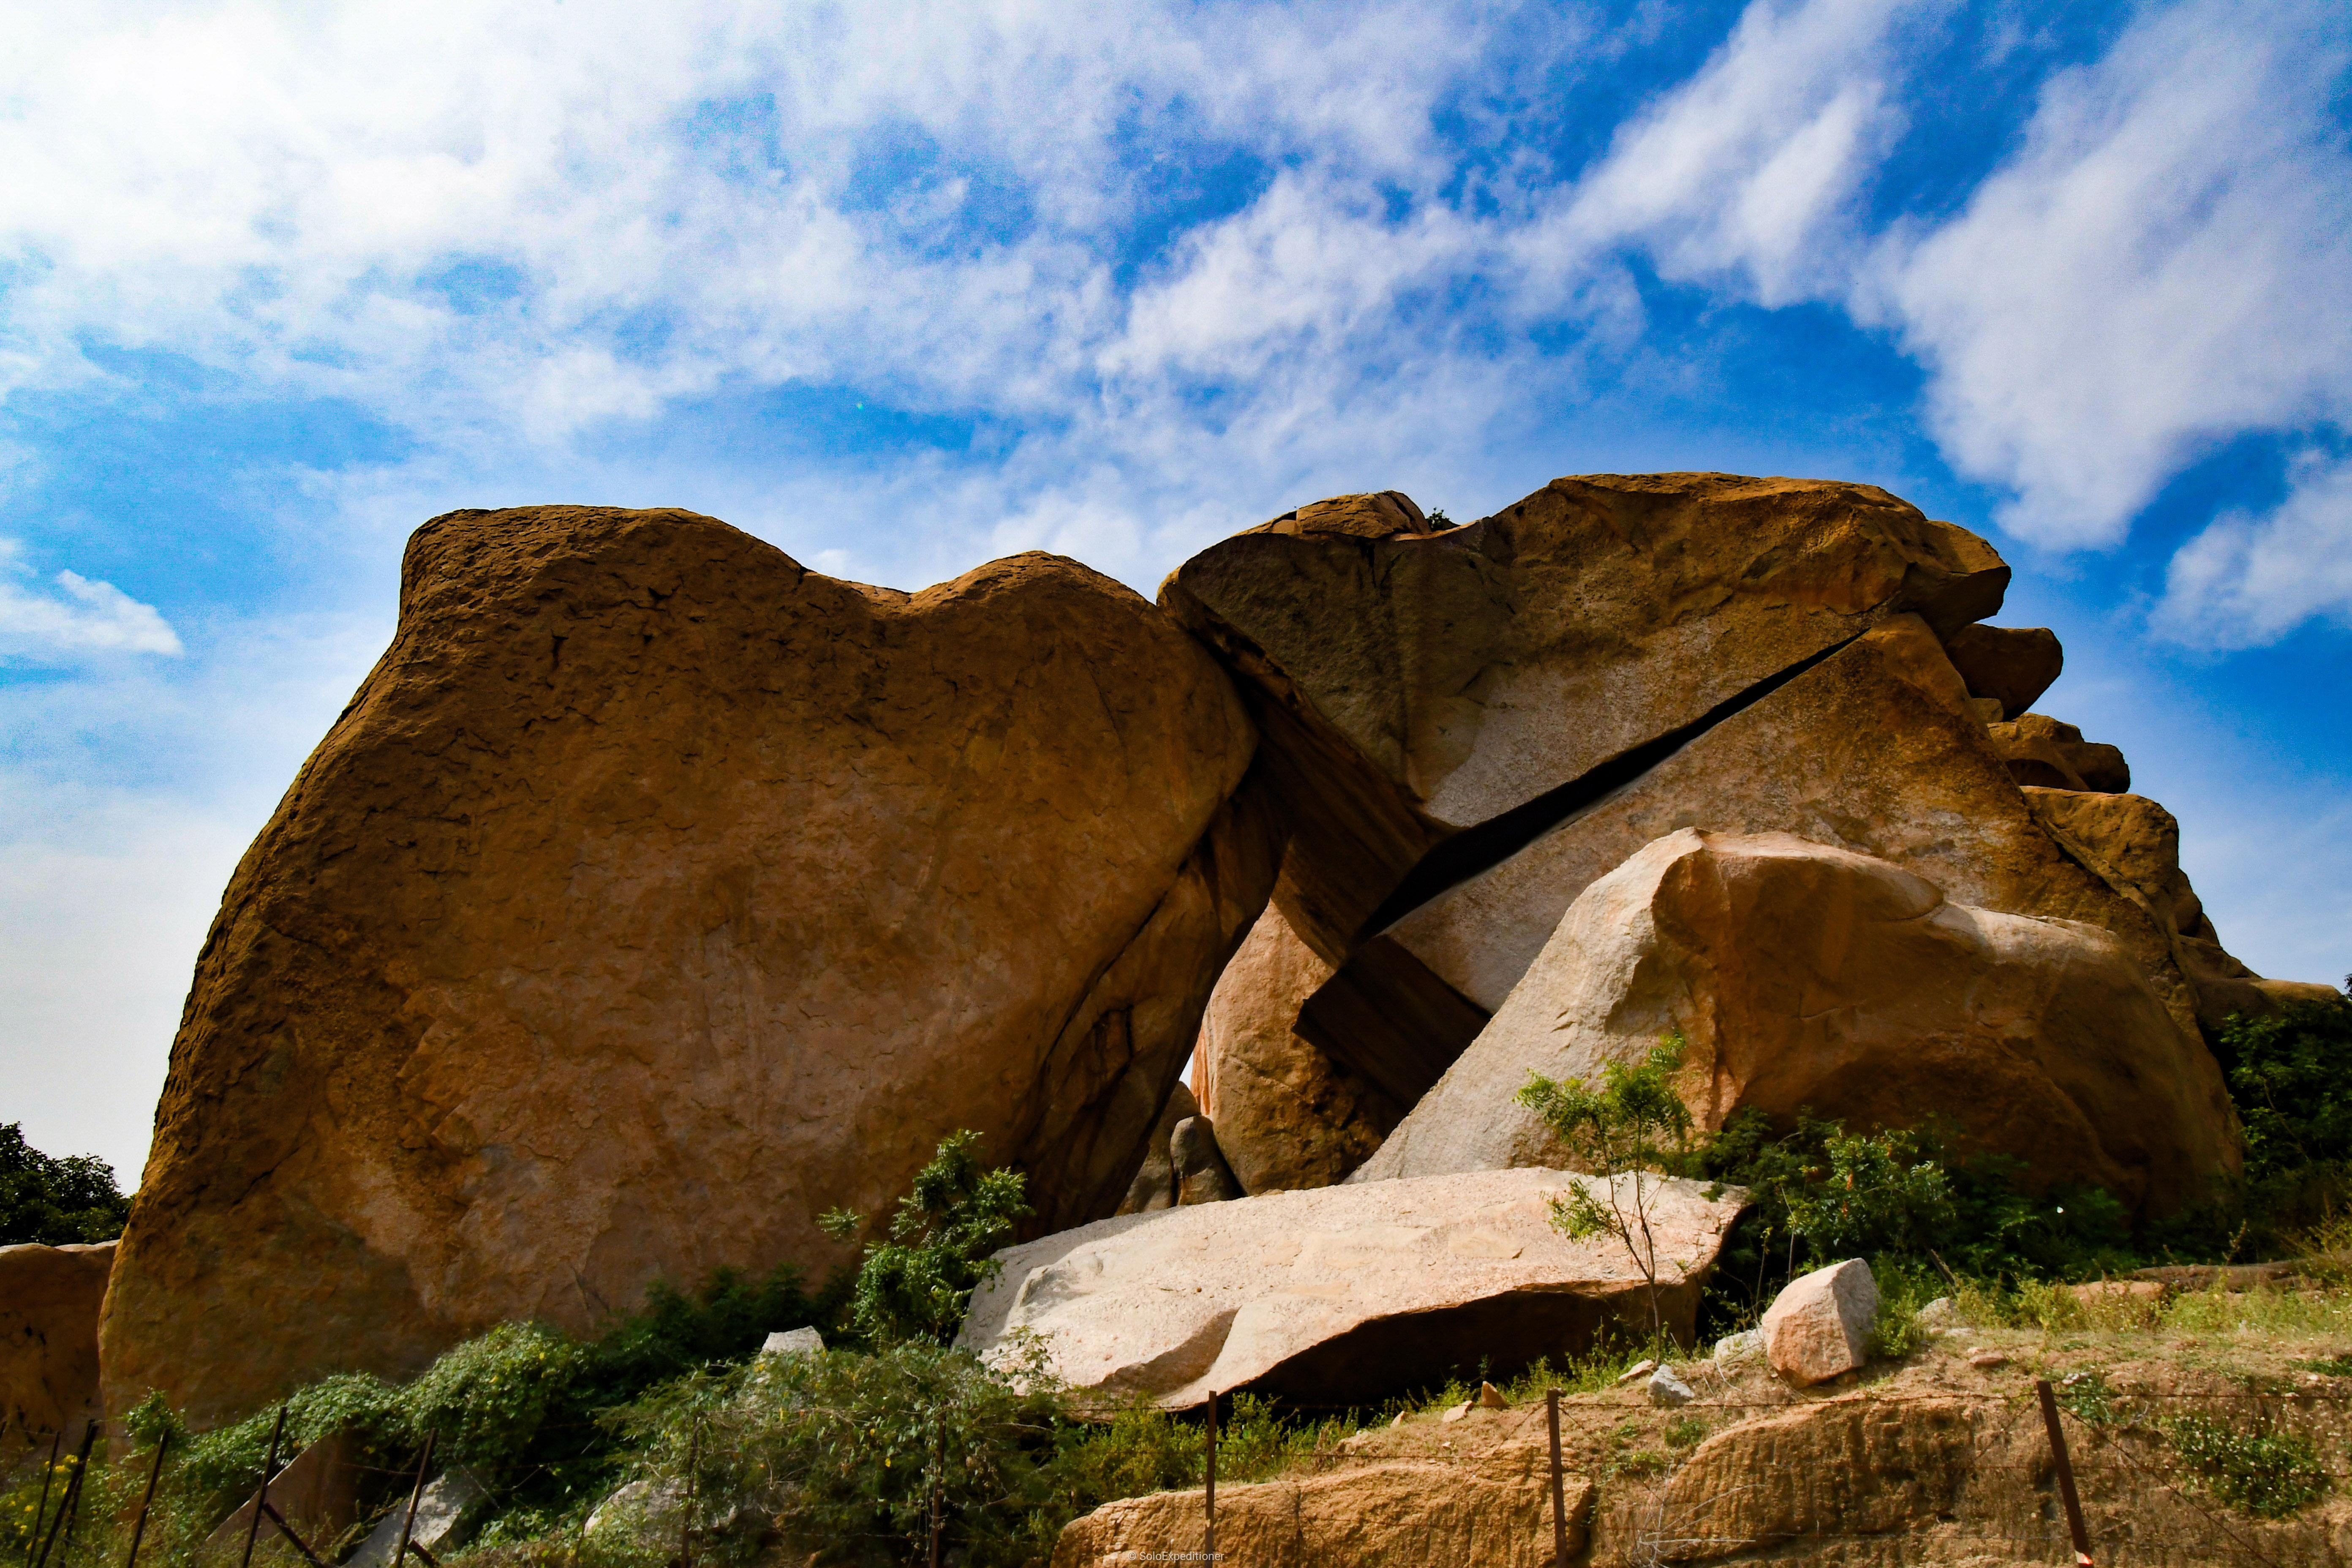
(1819, 1324)
(1940, 1316)
(1986, 1360)
(1665, 1388)
(794, 1342)
(1738, 1347)
(1491, 1398)
(1457, 1412)
(1640, 1369)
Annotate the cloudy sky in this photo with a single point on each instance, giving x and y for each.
(901, 289)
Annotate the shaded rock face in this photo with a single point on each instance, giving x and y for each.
(1287, 1115)
(1198, 1165)
(1803, 976)
(1154, 1186)
(2011, 664)
(1492, 1510)
(2134, 846)
(2044, 752)
(655, 895)
(1430, 702)
(1343, 1294)
(49, 1301)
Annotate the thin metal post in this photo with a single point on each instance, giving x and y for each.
(261, 1497)
(155, 1473)
(408, 1524)
(70, 1504)
(41, 1510)
(1558, 1490)
(1210, 1496)
(2065, 1472)
(686, 1521)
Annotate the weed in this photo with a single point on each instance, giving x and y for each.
(2268, 1473)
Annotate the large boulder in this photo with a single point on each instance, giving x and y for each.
(655, 895)
(1287, 1115)
(1873, 750)
(2011, 664)
(1819, 1327)
(1342, 1294)
(1155, 1182)
(2050, 753)
(1805, 976)
(1431, 702)
(49, 1301)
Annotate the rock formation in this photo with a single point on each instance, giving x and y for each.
(1198, 1165)
(655, 895)
(1343, 1294)
(1819, 1327)
(1288, 1116)
(1808, 977)
(49, 1300)
(1491, 1512)
(1463, 728)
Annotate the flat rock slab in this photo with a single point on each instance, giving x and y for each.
(1494, 1512)
(1341, 1295)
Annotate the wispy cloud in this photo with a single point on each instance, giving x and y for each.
(76, 618)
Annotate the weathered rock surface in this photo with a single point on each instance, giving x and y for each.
(1287, 1115)
(1342, 1294)
(655, 895)
(1801, 976)
(49, 1301)
(2133, 845)
(1201, 1173)
(1154, 1184)
(2011, 664)
(1413, 690)
(317, 1494)
(1819, 1326)
(1872, 750)
(2043, 752)
(1494, 1511)
(443, 1509)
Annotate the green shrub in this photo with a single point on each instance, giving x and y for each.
(2268, 1473)
(918, 1284)
(55, 1201)
(2290, 1076)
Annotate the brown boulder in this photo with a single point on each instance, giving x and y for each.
(1198, 1165)
(655, 895)
(1154, 1186)
(1873, 751)
(49, 1301)
(2050, 755)
(2134, 846)
(1429, 702)
(2011, 664)
(1806, 977)
(1488, 1510)
(1286, 1114)
(1382, 514)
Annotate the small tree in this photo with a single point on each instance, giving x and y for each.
(55, 1201)
(918, 1284)
(1630, 1131)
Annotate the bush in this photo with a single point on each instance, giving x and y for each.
(918, 1284)
(58, 1202)
(2290, 1076)
(2269, 1474)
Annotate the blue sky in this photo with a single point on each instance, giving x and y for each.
(904, 290)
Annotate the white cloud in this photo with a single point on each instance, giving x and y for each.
(2250, 578)
(2159, 267)
(1748, 174)
(79, 618)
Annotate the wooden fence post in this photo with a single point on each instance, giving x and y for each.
(2065, 1472)
(69, 1505)
(41, 1510)
(415, 1495)
(261, 1498)
(155, 1473)
(1558, 1490)
(1209, 1550)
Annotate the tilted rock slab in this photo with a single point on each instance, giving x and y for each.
(1873, 751)
(655, 895)
(49, 1301)
(1341, 1295)
(1424, 695)
(1491, 1510)
(1287, 1115)
(1804, 976)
